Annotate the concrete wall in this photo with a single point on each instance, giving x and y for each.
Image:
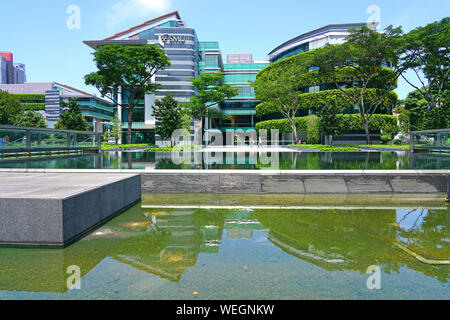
(291, 182)
(63, 208)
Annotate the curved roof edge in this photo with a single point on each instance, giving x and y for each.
(145, 23)
(330, 26)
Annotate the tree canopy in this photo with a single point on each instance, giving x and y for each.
(128, 69)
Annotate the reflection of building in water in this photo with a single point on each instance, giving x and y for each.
(168, 242)
(240, 225)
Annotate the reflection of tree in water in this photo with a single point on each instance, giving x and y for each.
(354, 239)
(427, 235)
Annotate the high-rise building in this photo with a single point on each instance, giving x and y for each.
(19, 73)
(8, 67)
(3, 78)
(10, 72)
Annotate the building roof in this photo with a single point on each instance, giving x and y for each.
(320, 30)
(144, 24)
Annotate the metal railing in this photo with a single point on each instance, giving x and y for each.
(21, 139)
(430, 140)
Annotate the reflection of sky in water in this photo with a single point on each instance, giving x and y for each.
(411, 219)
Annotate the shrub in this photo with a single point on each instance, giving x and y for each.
(312, 131)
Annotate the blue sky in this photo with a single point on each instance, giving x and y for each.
(36, 31)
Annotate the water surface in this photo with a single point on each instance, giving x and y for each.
(243, 254)
(240, 160)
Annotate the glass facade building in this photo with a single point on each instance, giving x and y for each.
(190, 57)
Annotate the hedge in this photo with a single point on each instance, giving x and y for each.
(33, 106)
(30, 97)
(349, 122)
(318, 100)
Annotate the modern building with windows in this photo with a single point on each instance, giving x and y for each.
(46, 98)
(180, 43)
(190, 58)
(331, 34)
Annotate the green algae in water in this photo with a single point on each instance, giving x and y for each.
(241, 254)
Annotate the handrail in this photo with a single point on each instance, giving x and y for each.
(26, 139)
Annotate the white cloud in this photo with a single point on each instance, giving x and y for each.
(142, 9)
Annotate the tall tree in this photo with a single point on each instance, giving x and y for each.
(168, 117)
(279, 87)
(9, 108)
(71, 118)
(365, 54)
(129, 68)
(426, 52)
(210, 91)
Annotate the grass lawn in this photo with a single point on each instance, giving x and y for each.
(383, 146)
(106, 146)
(322, 147)
(170, 149)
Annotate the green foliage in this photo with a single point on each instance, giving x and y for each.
(10, 107)
(325, 148)
(324, 99)
(129, 67)
(116, 130)
(329, 123)
(168, 116)
(422, 117)
(348, 122)
(30, 97)
(172, 149)
(210, 91)
(30, 119)
(107, 146)
(33, 106)
(312, 131)
(71, 118)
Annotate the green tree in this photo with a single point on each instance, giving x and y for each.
(365, 53)
(279, 89)
(168, 117)
(128, 69)
(210, 91)
(426, 52)
(422, 117)
(9, 108)
(30, 119)
(329, 122)
(116, 130)
(71, 118)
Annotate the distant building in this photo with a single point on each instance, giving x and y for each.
(2, 70)
(46, 97)
(8, 67)
(19, 73)
(10, 72)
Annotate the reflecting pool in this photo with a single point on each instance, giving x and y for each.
(252, 253)
(239, 160)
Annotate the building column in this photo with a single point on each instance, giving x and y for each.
(119, 111)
